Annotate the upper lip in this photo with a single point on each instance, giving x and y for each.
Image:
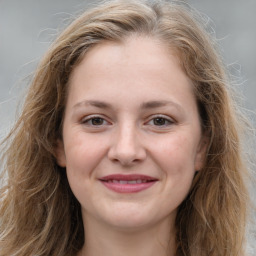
(128, 177)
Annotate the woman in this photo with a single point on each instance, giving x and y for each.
(128, 142)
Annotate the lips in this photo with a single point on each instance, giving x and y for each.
(128, 183)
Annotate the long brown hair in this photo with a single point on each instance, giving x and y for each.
(39, 214)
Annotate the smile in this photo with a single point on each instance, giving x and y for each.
(128, 183)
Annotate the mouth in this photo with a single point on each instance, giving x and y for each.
(128, 183)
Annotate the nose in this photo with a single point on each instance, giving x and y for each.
(127, 148)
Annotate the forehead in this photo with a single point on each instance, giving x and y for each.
(142, 52)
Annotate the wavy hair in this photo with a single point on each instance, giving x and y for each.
(40, 215)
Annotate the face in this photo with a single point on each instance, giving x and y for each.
(131, 134)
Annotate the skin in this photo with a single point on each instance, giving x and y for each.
(130, 109)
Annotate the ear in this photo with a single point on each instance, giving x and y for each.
(201, 152)
(60, 153)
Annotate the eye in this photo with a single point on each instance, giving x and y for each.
(97, 121)
(94, 121)
(161, 121)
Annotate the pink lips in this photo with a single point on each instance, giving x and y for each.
(128, 183)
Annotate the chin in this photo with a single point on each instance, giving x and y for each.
(131, 216)
(129, 224)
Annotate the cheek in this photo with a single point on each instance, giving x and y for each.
(175, 157)
(83, 154)
(175, 154)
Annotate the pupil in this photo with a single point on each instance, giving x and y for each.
(97, 121)
(159, 121)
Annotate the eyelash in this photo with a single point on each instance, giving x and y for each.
(89, 121)
(166, 121)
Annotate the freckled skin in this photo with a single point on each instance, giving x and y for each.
(126, 75)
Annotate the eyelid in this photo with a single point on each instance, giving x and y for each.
(167, 118)
(86, 119)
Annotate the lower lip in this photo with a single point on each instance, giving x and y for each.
(128, 188)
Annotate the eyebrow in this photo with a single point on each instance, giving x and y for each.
(94, 103)
(145, 105)
(160, 103)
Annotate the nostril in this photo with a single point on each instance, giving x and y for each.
(125, 158)
(126, 148)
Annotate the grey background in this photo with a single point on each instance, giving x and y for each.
(28, 26)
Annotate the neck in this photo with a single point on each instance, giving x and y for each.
(101, 239)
